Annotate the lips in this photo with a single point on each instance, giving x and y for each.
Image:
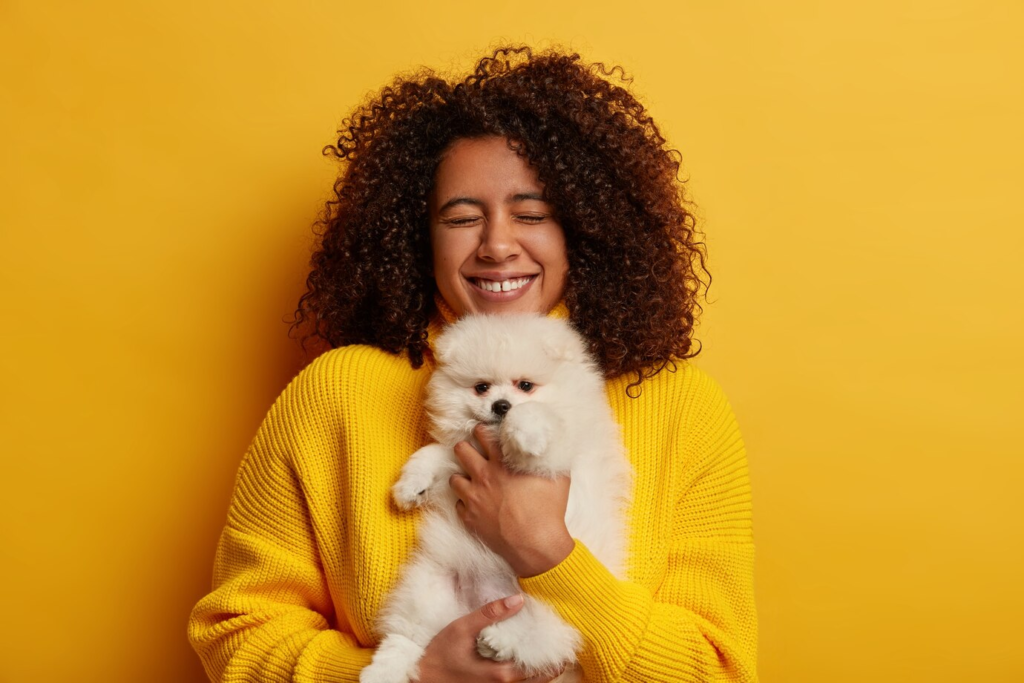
(501, 286)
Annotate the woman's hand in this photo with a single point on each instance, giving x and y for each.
(452, 655)
(520, 517)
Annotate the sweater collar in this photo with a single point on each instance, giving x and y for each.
(446, 316)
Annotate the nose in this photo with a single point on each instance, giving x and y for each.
(500, 407)
(498, 242)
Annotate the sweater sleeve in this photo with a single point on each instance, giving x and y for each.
(701, 624)
(270, 616)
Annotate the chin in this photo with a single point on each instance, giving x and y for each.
(530, 379)
(513, 307)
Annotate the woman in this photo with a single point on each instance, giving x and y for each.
(535, 184)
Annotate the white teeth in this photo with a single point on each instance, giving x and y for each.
(503, 286)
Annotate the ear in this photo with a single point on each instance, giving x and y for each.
(563, 347)
(442, 347)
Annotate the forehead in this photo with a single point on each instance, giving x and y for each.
(504, 369)
(483, 167)
(500, 349)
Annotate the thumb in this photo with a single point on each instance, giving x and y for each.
(493, 611)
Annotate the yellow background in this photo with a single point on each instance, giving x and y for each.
(858, 168)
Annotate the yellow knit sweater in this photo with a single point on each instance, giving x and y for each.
(313, 543)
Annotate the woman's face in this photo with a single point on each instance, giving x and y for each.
(497, 246)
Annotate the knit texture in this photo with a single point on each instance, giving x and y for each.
(313, 542)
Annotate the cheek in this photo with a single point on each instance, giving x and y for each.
(481, 407)
(549, 250)
(450, 251)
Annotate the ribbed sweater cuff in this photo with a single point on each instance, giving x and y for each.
(331, 658)
(612, 615)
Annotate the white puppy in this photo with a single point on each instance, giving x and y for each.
(530, 378)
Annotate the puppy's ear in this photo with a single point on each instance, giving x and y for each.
(564, 347)
(443, 347)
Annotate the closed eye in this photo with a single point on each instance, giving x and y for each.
(530, 219)
(469, 220)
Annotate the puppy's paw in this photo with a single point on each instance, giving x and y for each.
(533, 648)
(496, 643)
(527, 433)
(411, 489)
(409, 495)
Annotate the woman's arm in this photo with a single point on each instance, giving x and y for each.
(702, 624)
(270, 616)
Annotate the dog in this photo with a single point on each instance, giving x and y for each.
(530, 379)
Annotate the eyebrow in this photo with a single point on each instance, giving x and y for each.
(511, 199)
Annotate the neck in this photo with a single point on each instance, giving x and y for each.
(444, 311)
(446, 315)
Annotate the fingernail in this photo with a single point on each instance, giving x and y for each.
(514, 600)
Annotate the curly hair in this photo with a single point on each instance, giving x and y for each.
(632, 284)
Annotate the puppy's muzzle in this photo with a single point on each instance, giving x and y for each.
(500, 407)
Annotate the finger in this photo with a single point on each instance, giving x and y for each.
(488, 439)
(470, 458)
(492, 612)
(460, 509)
(460, 484)
(541, 678)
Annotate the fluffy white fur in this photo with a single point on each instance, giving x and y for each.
(563, 424)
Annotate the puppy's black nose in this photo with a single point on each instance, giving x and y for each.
(501, 407)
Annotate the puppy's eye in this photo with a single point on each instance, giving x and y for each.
(526, 386)
(482, 388)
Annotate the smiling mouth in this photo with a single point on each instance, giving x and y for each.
(509, 285)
